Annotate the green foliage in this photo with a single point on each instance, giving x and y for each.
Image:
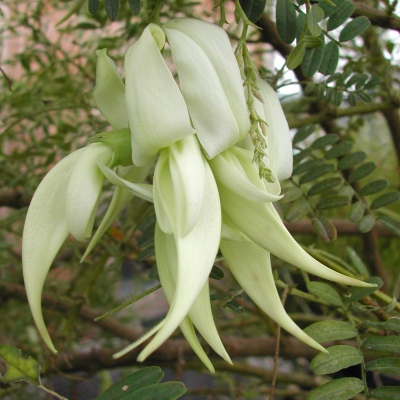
(340, 389)
(18, 367)
(253, 9)
(142, 385)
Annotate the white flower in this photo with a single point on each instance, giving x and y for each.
(210, 101)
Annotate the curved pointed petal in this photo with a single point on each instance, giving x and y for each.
(138, 342)
(262, 224)
(119, 201)
(209, 108)
(196, 254)
(84, 190)
(200, 313)
(215, 44)
(235, 169)
(180, 181)
(109, 92)
(251, 266)
(278, 135)
(167, 260)
(157, 111)
(142, 190)
(45, 231)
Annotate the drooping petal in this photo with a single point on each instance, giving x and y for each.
(84, 190)
(235, 169)
(200, 313)
(179, 185)
(262, 224)
(215, 44)
(109, 92)
(119, 201)
(166, 253)
(278, 135)
(251, 266)
(45, 231)
(142, 190)
(195, 253)
(209, 107)
(157, 111)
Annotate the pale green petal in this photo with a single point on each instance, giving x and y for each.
(215, 44)
(109, 92)
(179, 186)
(278, 134)
(262, 224)
(234, 169)
(251, 267)
(157, 112)
(138, 342)
(119, 201)
(45, 231)
(142, 190)
(166, 260)
(200, 313)
(163, 194)
(84, 190)
(209, 108)
(196, 254)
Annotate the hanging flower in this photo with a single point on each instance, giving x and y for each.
(207, 192)
(67, 199)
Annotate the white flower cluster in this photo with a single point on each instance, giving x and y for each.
(207, 192)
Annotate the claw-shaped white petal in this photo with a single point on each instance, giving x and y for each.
(109, 92)
(251, 266)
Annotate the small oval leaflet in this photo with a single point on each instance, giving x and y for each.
(316, 173)
(325, 229)
(332, 202)
(307, 165)
(386, 393)
(362, 171)
(112, 9)
(339, 389)
(253, 9)
(324, 186)
(374, 187)
(286, 21)
(339, 357)
(383, 343)
(330, 59)
(389, 365)
(366, 223)
(328, 330)
(339, 150)
(390, 223)
(385, 200)
(303, 133)
(296, 56)
(341, 15)
(324, 141)
(300, 208)
(357, 211)
(354, 28)
(314, 17)
(325, 292)
(351, 160)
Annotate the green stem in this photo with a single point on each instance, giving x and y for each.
(155, 15)
(359, 345)
(128, 302)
